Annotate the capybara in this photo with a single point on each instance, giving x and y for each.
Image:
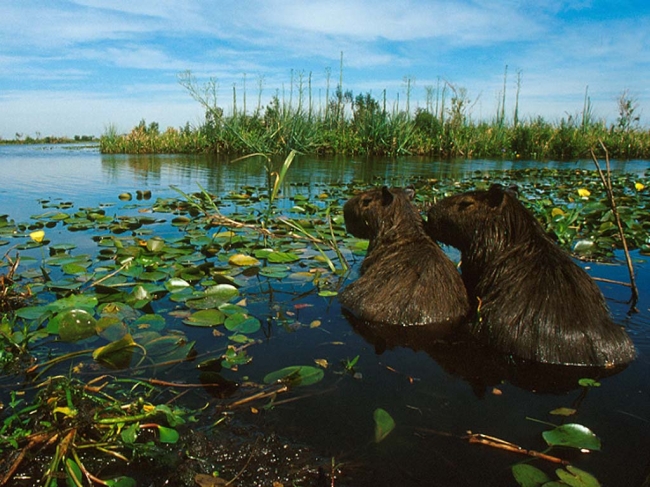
(532, 300)
(405, 277)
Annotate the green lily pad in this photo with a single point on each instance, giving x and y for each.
(529, 476)
(282, 257)
(574, 477)
(116, 354)
(384, 424)
(243, 260)
(296, 375)
(572, 435)
(75, 325)
(242, 323)
(206, 317)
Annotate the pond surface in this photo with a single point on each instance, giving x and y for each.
(435, 394)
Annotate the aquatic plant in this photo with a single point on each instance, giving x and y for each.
(345, 123)
(239, 268)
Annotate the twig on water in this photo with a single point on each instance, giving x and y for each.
(607, 183)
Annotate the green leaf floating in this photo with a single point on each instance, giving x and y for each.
(384, 424)
(206, 317)
(577, 478)
(572, 435)
(121, 482)
(168, 435)
(242, 323)
(296, 375)
(529, 476)
(116, 354)
(76, 324)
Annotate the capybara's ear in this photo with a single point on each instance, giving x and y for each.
(495, 195)
(386, 196)
(409, 191)
(513, 189)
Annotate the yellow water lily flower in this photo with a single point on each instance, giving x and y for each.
(584, 193)
(37, 236)
(639, 186)
(557, 212)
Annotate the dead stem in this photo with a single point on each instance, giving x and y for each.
(607, 183)
(511, 447)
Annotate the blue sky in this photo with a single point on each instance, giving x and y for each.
(76, 67)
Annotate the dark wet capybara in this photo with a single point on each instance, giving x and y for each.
(405, 277)
(532, 300)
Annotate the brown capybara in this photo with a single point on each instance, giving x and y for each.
(532, 300)
(405, 277)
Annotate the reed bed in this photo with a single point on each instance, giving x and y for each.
(363, 125)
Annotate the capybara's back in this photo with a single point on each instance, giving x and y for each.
(532, 299)
(405, 278)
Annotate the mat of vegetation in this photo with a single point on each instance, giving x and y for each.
(92, 339)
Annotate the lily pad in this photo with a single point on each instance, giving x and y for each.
(242, 323)
(384, 424)
(296, 375)
(206, 317)
(243, 260)
(572, 435)
(75, 325)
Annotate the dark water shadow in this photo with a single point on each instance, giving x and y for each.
(462, 356)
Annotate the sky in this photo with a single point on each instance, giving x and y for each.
(78, 67)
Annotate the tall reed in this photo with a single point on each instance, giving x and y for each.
(363, 125)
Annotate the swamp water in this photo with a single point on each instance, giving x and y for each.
(435, 393)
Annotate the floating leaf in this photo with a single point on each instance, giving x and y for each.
(575, 477)
(296, 375)
(274, 272)
(586, 382)
(116, 354)
(242, 323)
(130, 433)
(563, 412)
(243, 260)
(155, 244)
(572, 435)
(168, 435)
(384, 424)
(282, 257)
(206, 317)
(76, 324)
(528, 476)
(121, 482)
(176, 284)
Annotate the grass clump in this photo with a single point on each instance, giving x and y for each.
(365, 125)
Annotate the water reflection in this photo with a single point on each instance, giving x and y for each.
(482, 368)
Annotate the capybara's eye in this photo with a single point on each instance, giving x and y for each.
(464, 204)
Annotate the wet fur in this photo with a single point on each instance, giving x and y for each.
(533, 300)
(405, 278)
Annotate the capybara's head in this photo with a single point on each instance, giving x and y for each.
(371, 212)
(494, 218)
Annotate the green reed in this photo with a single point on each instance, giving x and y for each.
(342, 123)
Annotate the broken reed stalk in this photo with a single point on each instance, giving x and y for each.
(511, 447)
(607, 183)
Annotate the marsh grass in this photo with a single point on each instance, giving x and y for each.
(364, 125)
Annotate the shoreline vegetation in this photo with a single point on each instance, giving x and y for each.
(348, 124)
(48, 139)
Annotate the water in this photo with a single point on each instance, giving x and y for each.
(435, 394)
